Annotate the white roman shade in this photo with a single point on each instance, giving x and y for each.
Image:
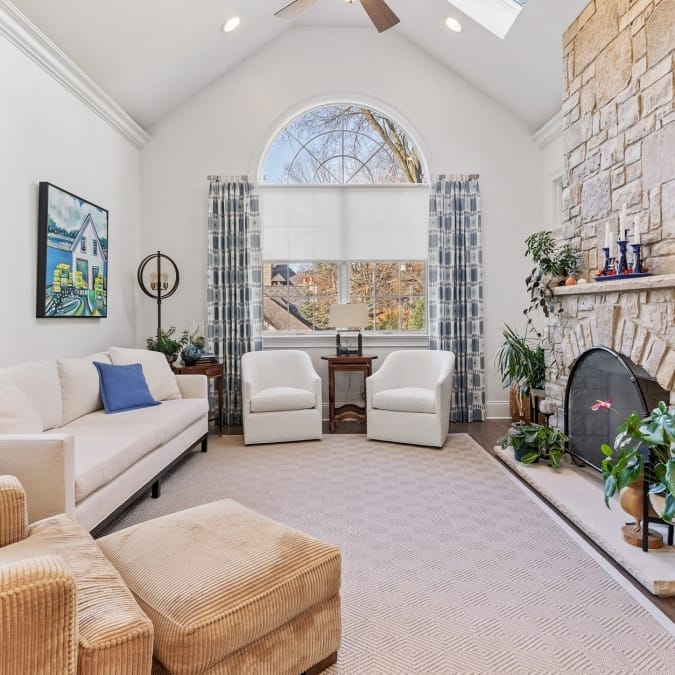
(344, 222)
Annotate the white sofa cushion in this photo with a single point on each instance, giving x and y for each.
(169, 418)
(17, 414)
(39, 381)
(282, 398)
(103, 454)
(80, 392)
(158, 374)
(406, 399)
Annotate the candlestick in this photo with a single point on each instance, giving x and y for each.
(606, 268)
(637, 261)
(623, 263)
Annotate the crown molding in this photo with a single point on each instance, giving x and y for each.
(24, 35)
(549, 131)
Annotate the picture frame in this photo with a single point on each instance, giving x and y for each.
(72, 256)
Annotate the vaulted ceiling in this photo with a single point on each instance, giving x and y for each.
(150, 55)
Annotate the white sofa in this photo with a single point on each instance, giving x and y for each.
(71, 456)
(281, 397)
(408, 398)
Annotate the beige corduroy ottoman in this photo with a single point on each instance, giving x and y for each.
(231, 591)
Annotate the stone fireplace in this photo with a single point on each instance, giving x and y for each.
(619, 140)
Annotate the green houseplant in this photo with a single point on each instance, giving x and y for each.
(552, 263)
(532, 442)
(167, 344)
(625, 463)
(520, 362)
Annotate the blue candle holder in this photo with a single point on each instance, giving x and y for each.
(623, 263)
(607, 266)
(637, 262)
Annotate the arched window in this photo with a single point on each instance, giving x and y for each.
(344, 218)
(343, 145)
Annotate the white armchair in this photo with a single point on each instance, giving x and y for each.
(408, 398)
(281, 397)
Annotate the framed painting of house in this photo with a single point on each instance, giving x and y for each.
(72, 273)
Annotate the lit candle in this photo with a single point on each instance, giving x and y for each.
(607, 234)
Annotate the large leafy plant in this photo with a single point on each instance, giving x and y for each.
(625, 462)
(520, 360)
(166, 343)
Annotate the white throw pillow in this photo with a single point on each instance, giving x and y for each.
(158, 374)
(80, 393)
(39, 381)
(17, 414)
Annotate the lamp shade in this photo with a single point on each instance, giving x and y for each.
(348, 316)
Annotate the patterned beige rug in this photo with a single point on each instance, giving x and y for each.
(448, 566)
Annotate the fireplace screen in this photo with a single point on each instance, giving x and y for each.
(597, 375)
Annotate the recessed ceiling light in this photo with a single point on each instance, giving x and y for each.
(231, 24)
(453, 24)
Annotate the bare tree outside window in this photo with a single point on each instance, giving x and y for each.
(343, 144)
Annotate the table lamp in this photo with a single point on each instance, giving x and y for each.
(348, 317)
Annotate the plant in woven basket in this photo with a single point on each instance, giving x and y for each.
(521, 365)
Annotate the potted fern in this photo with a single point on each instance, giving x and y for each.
(167, 344)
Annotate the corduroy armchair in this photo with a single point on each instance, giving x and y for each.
(64, 609)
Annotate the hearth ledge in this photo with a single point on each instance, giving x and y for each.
(639, 284)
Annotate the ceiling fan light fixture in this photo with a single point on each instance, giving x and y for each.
(453, 24)
(230, 24)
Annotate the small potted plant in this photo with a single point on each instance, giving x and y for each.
(553, 264)
(532, 442)
(625, 463)
(165, 343)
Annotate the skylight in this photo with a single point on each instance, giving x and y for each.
(496, 15)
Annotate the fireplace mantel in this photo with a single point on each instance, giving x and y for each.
(652, 283)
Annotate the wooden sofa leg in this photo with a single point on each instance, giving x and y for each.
(205, 443)
(322, 665)
(156, 488)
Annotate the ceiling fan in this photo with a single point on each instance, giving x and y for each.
(378, 10)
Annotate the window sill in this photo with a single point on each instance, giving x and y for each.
(327, 340)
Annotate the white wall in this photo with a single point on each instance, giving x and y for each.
(224, 130)
(48, 134)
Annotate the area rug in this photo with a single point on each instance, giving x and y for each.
(448, 567)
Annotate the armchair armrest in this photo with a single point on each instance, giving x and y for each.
(45, 466)
(13, 513)
(193, 386)
(38, 594)
(316, 388)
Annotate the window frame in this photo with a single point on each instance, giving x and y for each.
(343, 296)
(317, 338)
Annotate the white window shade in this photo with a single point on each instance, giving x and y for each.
(309, 223)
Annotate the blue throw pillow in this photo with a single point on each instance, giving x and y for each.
(123, 387)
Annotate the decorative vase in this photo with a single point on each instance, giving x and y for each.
(522, 451)
(190, 354)
(631, 499)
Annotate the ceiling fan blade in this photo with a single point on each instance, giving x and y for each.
(294, 8)
(380, 14)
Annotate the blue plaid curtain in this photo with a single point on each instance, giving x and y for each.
(235, 281)
(456, 289)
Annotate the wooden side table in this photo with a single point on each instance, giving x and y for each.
(348, 411)
(213, 371)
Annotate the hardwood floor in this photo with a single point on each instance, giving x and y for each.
(486, 434)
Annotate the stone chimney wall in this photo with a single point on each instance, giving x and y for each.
(619, 128)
